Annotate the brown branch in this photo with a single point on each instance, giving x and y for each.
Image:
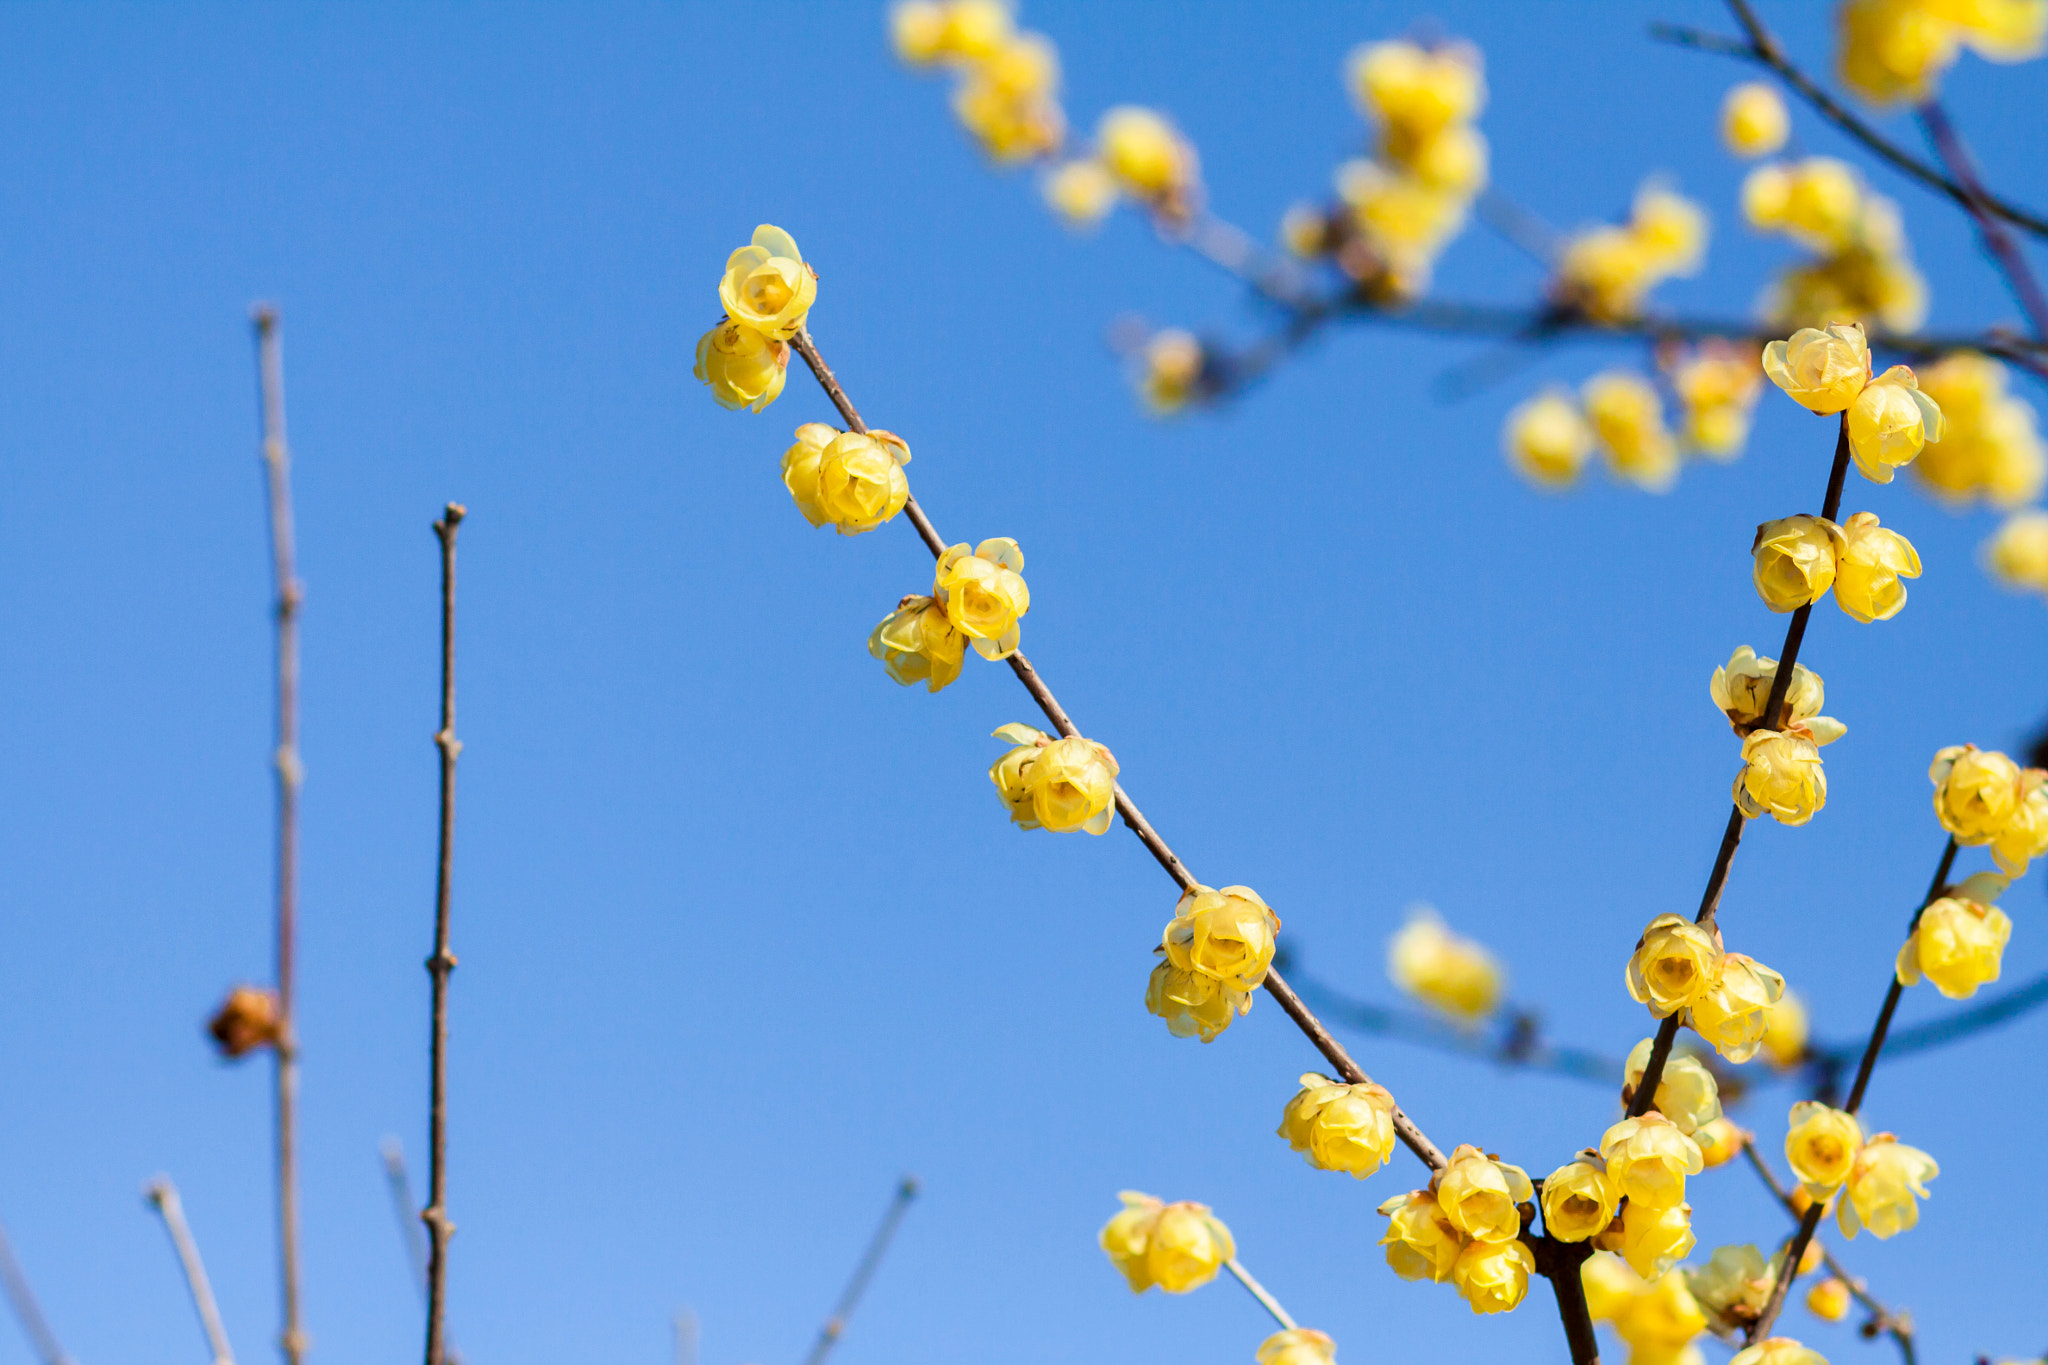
(863, 1271)
(163, 1197)
(435, 1215)
(277, 466)
(1998, 243)
(22, 1297)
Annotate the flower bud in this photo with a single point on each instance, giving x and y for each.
(1782, 776)
(983, 592)
(1828, 1300)
(1869, 567)
(1821, 1144)
(1081, 192)
(1976, 792)
(247, 1019)
(1298, 1346)
(1754, 120)
(1339, 1127)
(1889, 422)
(1662, 1318)
(1735, 1010)
(1177, 1247)
(745, 368)
(1686, 1092)
(1785, 1030)
(767, 286)
(1795, 561)
(1453, 973)
(1742, 688)
(1823, 371)
(1732, 1287)
(2025, 836)
(1421, 1243)
(1547, 440)
(1777, 1351)
(1478, 1195)
(1578, 1199)
(1628, 417)
(855, 481)
(1880, 1194)
(1648, 1160)
(1675, 963)
(1056, 784)
(1957, 942)
(1652, 1239)
(2017, 554)
(1609, 1284)
(1193, 1005)
(918, 642)
(1227, 935)
(1147, 154)
(1493, 1277)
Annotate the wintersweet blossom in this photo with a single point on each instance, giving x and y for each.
(1821, 1144)
(743, 367)
(1177, 1247)
(1421, 1242)
(854, 482)
(1479, 1193)
(1493, 1277)
(1817, 202)
(918, 642)
(1444, 969)
(1628, 418)
(1754, 120)
(1794, 561)
(1976, 792)
(1227, 935)
(1148, 156)
(1720, 1141)
(1652, 1240)
(1718, 383)
(1547, 439)
(1578, 1199)
(1734, 1012)
(1883, 1187)
(1057, 784)
(1868, 566)
(1893, 51)
(767, 286)
(1082, 192)
(1958, 942)
(1822, 371)
(1648, 1159)
(1889, 423)
(2017, 554)
(1828, 1300)
(1170, 372)
(1785, 1031)
(1731, 1287)
(1741, 688)
(1781, 777)
(1193, 1005)
(1990, 446)
(1340, 1127)
(1674, 964)
(1661, 1319)
(1609, 1284)
(1417, 91)
(1298, 1346)
(1777, 1351)
(983, 591)
(1686, 1092)
(2025, 836)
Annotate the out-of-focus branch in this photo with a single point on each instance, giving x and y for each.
(163, 1197)
(1762, 49)
(22, 1298)
(863, 1271)
(411, 1234)
(2004, 251)
(1261, 1293)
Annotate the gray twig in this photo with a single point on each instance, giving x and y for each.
(163, 1197)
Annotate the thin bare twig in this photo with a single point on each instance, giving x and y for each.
(863, 1271)
(163, 1197)
(1998, 243)
(410, 1232)
(277, 467)
(22, 1298)
(685, 1331)
(435, 1215)
(1260, 1292)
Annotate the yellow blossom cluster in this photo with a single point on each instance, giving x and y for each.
(1894, 51)
(1876, 1182)
(1798, 559)
(1990, 448)
(1007, 94)
(1340, 1127)
(1717, 383)
(1214, 953)
(1687, 1093)
(1983, 797)
(1443, 969)
(1606, 272)
(1465, 1229)
(1178, 1247)
(766, 290)
(1754, 120)
(978, 596)
(1860, 267)
(2017, 553)
(1549, 438)
(1888, 418)
(1725, 997)
(1958, 941)
(1057, 784)
(1657, 1318)
(1732, 1287)
(850, 480)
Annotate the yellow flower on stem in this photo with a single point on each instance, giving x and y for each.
(1732, 1287)
(743, 367)
(1628, 417)
(1959, 941)
(1081, 192)
(1868, 568)
(2025, 836)
(917, 30)
(1754, 120)
(1609, 1284)
(1228, 935)
(1178, 1247)
(1794, 561)
(2017, 554)
(1686, 1092)
(1892, 50)
(917, 643)
(1990, 445)
(854, 481)
(1446, 970)
(1010, 127)
(1652, 1240)
(1648, 1159)
(1547, 440)
(1819, 202)
(1415, 91)
(1298, 1346)
(1493, 1277)
(1828, 1300)
(1736, 1010)
(1340, 1127)
(1674, 964)
(1148, 156)
(1663, 1317)
(983, 592)
(1823, 371)
(1821, 1143)
(1976, 792)
(1883, 1186)
(1781, 777)
(1421, 1242)
(1785, 1031)
(1719, 1140)
(800, 469)
(1479, 1194)
(1056, 784)
(767, 286)
(1742, 689)
(1578, 1199)
(1777, 1351)
(1193, 1005)
(1889, 422)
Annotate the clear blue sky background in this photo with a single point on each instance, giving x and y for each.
(743, 932)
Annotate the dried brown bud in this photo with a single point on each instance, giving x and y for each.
(247, 1020)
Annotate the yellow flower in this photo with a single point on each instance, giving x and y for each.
(917, 643)
(1754, 120)
(855, 480)
(1889, 423)
(2018, 554)
(1958, 941)
(1777, 1351)
(1785, 1031)
(1147, 154)
(1452, 159)
(1171, 374)
(1193, 1004)
(1868, 567)
(1057, 784)
(1605, 272)
(1010, 126)
(975, 29)
(2001, 30)
(1177, 1247)
(1892, 50)
(1478, 1195)
(1493, 1277)
(1720, 1141)
(1734, 1013)
(1822, 1143)
(1674, 964)
(1665, 1314)
(917, 30)
(1795, 561)
(1415, 91)
(1339, 1127)
(1227, 935)
(1782, 776)
(2025, 836)
(1082, 192)
(744, 368)
(767, 286)
(1298, 1346)
(1732, 1286)
(983, 592)
(1991, 447)
(1686, 1093)
(1823, 371)
(1648, 1159)
(1421, 1243)
(1628, 417)
(1610, 1285)
(1742, 689)
(1718, 382)
(1653, 1240)
(1881, 1191)
(1976, 792)
(1670, 228)
(1819, 202)
(1451, 972)
(1828, 1300)
(1578, 1199)
(1547, 440)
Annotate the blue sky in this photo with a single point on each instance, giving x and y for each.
(743, 933)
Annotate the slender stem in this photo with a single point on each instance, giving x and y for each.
(163, 1197)
(22, 1298)
(863, 1271)
(277, 464)
(410, 1232)
(685, 1337)
(1572, 1308)
(1261, 1293)
(2004, 251)
(435, 1215)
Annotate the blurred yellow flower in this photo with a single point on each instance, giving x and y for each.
(1868, 567)
(1147, 154)
(1883, 1186)
(1653, 1240)
(1828, 1300)
(1734, 1013)
(1893, 50)
(1663, 1317)
(1976, 792)
(1193, 1005)
(800, 469)
(1081, 192)
(2025, 836)
(1177, 1247)
(1628, 417)
(1818, 202)
(1478, 1195)
(1754, 120)
(1959, 941)
(1228, 935)
(744, 368)
(1609, 1284)
(1686, 1092)
(1648, 1159)
(1607, 271)
(1794, 561)
(1781, 777)
(1298, 1346)
(983, 592)
(1547, 440)
(917, 30)
(1785, 1031)
(1821, 1143)
(1493, 1277)
(1340, 1127)
(1742, 689)
(1990, 447)
(1010, 126)
(1415, 91)
(855, 480)
(918, 643)
(1674, 965)
(1731, 1287)
(1578, 1199)
(1170, 376)
(1889, 423)
(1452, 973)
(1421, 1243)
(1823, 371)
(2017, 554)
(1718, 382)
(1777, 1351)
(767, 286)
(1720, 1141)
